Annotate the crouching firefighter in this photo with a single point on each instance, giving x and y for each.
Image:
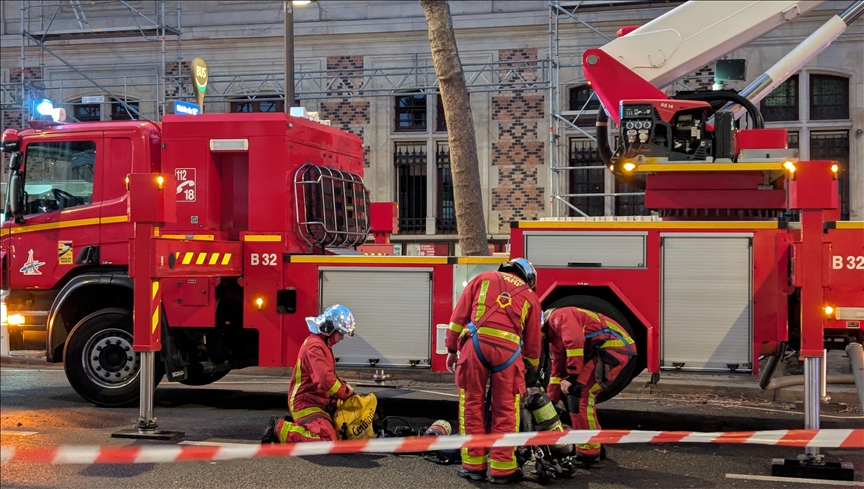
(495, 325)
(588, 351)
(314, 382)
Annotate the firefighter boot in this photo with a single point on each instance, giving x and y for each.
(270, 432)
(474, 475)
(514, 478)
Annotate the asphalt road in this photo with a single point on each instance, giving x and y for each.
(39, 401)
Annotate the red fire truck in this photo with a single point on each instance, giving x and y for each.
(270, 210)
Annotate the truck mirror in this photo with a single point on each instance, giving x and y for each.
(16, 197)
(15, 161)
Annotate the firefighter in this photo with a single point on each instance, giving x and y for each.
(496, 320)
(314, 382)
(588, 351)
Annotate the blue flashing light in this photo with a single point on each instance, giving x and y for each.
(45, 107)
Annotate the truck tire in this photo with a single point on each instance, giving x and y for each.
(99, 361)
(603, 307)
(205, 379)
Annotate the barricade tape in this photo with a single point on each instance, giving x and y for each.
(140, 454)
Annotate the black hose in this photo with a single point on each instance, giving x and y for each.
(758, 121)
(771, 366)
(637, 181)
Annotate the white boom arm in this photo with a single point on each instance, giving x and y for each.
(698, 33)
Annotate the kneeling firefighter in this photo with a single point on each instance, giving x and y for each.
(314, 382)
(588, 351)
(495, 325)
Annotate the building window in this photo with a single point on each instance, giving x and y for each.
(411, 113)
(782, 103)
(582, 95)
(87, 112)
(252, 105)
(834, 145)
(829, 97)
(445, 221)
(59, 175)
(410, 164)
(584, 152)
(119, 113)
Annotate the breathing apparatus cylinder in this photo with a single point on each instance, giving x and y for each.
(439, 428)
(546, 419)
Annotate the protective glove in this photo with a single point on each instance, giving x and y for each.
(452, 358)
(554, 392)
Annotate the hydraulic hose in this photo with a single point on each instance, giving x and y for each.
(771, 366)
(758, 121)
(781, 382)
(856, 359)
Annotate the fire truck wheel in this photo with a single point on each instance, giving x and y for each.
(603, 307)
(99, 360)
(205, 379)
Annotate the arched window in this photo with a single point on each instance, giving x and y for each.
(782, 103)
(829, 97)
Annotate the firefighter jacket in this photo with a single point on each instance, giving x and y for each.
(314, 381)
(577, 336)
(503, 309)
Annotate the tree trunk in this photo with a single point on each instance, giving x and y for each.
(467, 195)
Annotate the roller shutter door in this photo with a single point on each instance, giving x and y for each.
(706, 305)
(393, 309)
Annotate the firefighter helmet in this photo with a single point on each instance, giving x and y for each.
(522, 268)
(544, 318)
(335, 318)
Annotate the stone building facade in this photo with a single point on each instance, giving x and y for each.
(375, 59)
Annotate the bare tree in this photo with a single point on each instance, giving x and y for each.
(467, 196)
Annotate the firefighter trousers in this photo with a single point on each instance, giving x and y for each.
(506, 386)
(581, 401)
(315, 427)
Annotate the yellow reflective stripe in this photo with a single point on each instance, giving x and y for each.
(575, 352)
(187, 258)
(297, 374)
(456, 327)
(510, 464)
(532, 361)
(617, 329)
(525, 308)
(554, 380)
(504, 465)
(214, 258)
(500, 334)
(592, 314)
(306, 412)
(201, 258)
(291, 428)
(154, 322)
(613, 344)
(335, 388)
(590, 412)
(481, 301)
(462, 414)
(226, 259)
(588, 446)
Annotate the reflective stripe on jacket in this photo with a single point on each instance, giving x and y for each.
(314, 380)
(493, 302)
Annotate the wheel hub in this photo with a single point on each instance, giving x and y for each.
(109, 360)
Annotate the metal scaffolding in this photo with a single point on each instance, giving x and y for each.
(44, 24)
(563, 121)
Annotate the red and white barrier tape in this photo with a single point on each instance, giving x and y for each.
(138, 454)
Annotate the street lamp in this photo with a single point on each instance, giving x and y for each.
(289, 50)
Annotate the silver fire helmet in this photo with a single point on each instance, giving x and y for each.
(335, 318)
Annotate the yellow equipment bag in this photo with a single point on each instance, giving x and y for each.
(354, 416)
